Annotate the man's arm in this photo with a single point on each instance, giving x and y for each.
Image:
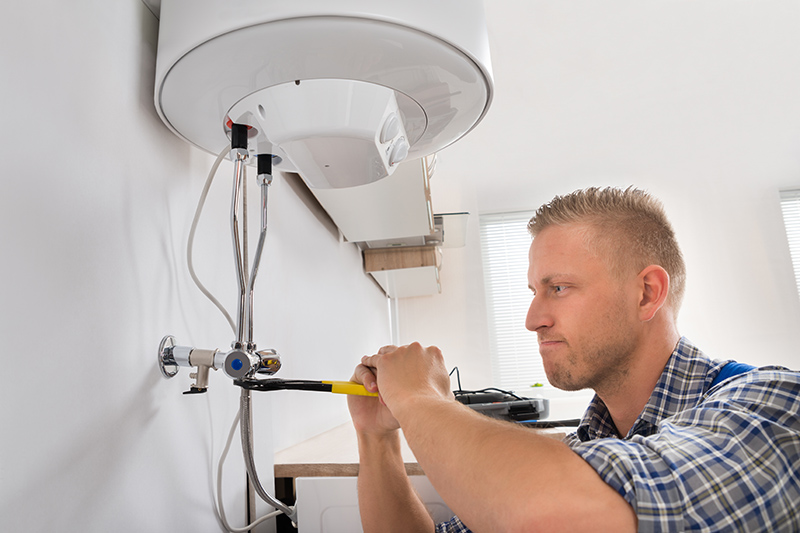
(386, 498)
(494, 475)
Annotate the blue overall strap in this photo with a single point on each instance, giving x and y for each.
(731, 369)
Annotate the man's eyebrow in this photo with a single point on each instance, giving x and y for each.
(547, 280)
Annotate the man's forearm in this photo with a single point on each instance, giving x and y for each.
(498, 477)
(386, 498)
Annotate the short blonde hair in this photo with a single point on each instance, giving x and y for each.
(629, 230)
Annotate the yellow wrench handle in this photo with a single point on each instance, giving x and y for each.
(349, 387)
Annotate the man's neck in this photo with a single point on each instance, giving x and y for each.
(626, 401)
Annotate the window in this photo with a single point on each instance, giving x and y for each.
(790, 205)
(515, 355)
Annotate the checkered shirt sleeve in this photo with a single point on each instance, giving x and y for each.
(731, 463)
(454, 525)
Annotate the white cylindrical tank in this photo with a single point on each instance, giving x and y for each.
(340, 91)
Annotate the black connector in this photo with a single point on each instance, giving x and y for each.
(264, 164)
(238, 136)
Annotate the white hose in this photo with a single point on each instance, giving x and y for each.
(190, 242)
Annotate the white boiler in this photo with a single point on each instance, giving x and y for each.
(339, 91)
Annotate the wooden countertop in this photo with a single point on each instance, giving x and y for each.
(335, 453)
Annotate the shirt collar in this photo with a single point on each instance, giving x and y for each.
(686, 377)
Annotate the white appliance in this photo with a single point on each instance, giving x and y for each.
(330, 504)
(340, 91)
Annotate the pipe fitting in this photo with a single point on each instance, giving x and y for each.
(240, 364)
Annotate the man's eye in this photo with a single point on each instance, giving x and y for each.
(559, 288)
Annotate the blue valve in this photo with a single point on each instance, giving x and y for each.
(239, 363)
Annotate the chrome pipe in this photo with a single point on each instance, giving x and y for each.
(257, 260)
(238, 170)
(245, 239)
(247, 447)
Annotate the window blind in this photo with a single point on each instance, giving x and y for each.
(790, 206)
(505, 240)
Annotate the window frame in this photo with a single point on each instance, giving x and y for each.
(790, 209)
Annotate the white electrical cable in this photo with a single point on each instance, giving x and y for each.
(190, 242)
(220, 509)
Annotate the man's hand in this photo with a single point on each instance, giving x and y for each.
(408, 373)
(369, 414)
(387, 500)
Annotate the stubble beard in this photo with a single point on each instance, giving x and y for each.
(602, 363)
(598, 367)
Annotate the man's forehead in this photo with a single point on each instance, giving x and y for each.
(560, 251)
(561, 240)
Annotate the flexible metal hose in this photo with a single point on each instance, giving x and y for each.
(249, 462)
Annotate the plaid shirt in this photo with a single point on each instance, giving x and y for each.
(721, 458)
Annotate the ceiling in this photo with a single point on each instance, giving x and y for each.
(662, 94)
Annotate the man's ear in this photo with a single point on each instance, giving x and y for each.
(654, 284)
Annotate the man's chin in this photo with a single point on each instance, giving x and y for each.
(564, 381)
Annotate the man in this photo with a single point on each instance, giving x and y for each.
(662, 447)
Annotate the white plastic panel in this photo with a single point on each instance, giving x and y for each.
(199, 90)
(336, 131)
(392, 208)
(454, 229)
(330, 504)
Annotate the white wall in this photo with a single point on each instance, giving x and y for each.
(96, 200)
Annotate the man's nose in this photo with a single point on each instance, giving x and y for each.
(537, 316)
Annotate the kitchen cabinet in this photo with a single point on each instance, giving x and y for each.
(405, 271)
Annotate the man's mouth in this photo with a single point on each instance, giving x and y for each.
(549, 342)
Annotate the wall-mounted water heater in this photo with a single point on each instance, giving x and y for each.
(339, 91)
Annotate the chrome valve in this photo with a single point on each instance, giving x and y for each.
(171, 357)
(243, 364)
(238, 363)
